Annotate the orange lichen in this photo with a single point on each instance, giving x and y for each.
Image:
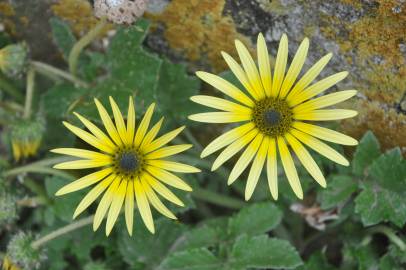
(199, 30)
(387, 124)
(78, 13)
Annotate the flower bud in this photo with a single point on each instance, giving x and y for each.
(8, 208)
(13, 59)
(21, 254)
(8, 265)
(120, 11)
(26, 136)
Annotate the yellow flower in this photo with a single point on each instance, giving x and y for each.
(275, 113)
(133, 168)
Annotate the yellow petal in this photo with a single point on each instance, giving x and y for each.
(233, 148)
(114, 211)
(317, 88)
(272, 169)
(143, 127)
(161, 141)
(325, 115)
(93, 195)
(264, 64)
(105, 204)
(225, 87)
(250, 69)
(89, 138)
(289, 168)
(130, 123)
(168, 178)
(173, 166)
(96, 131)
(82, 164)
(221, 104)
(309, 76)
(143, 206)
(280, 65)
(151, 134)
(226, 139)
(306, 159)
(324, 101)
(245, 158)
(129, 208)
(81, 153)
(240, 74)
(168, 151)
(155, 201)
(256, 168)
(119, 120)
(108, 124)
(84, 181)
(320, 147)
(220, 117)
(325, 133)
(162, 190)
(295, 68)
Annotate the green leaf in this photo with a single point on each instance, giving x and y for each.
(376, 204)
(367, 150)
(338, 190)
(133, 71)
(194, 259)
(255, 219)
(263, 252)
(207, 235)
(62, 36)
(317, 261)
(389, 170)
(147, 249)
(58, 99)
(175, 88)
(363, 256)
(63, 206)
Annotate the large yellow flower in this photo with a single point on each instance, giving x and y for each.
(132, 164)
(275, 113)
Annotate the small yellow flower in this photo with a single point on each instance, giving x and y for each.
(276, 113)
(133, 168)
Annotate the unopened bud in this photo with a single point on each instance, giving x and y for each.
(13, 59)
(26, 137)
(21, 253)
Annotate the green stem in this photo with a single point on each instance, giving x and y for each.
(390, 234)
(10, 89)
(29, 93)
(61, 231)
(40, 167)
(51, 71)
(221, 200)
(82, 43)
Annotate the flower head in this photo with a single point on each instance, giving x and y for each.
(21, 254)
(13, 59)
(276, 111)
(132, 166)
(26, 137)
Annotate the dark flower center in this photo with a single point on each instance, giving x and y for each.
(272, 117)
(128, 162)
